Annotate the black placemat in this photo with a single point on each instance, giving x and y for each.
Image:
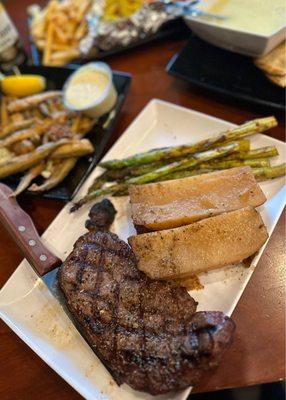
(226, 73)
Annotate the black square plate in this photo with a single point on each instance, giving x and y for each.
(175, 28)
(226, 73)
(99, 135)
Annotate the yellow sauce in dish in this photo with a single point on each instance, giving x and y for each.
(262, 17)
(86, 87)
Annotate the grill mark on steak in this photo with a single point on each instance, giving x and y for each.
(143, 338)
(115, 318)
(145, 332)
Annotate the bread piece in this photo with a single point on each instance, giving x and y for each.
(171, 204)
(211, 243)
(273, 63)
(279, 80)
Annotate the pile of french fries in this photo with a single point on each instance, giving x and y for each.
(40, 138)
(58, 28)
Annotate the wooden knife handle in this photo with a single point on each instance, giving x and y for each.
(22, 229)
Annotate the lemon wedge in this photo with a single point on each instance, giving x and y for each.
(22, 85)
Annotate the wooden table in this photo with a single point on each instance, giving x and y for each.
(257, 354)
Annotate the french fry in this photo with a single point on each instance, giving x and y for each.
(57, 63)
(4, 112)
(65, 55)
(41, 43)
(38, 114)
(58, 28)
(60, 18)
(47, 49)
(60, 46)
(17, 117)
(61, 35)
(83, 9)
(81, 30)
(76, 124)
(70, 28)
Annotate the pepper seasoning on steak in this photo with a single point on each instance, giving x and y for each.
(146, 332)
(101, 216)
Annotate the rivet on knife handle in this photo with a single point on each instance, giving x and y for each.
(22, 229)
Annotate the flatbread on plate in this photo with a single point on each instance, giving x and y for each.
(273, 63)
(279, 80)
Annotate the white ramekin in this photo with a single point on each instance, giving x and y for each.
(105, 102)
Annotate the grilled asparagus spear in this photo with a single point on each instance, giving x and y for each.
(263, 174)
(186, 163)
(161, 172)
(249, 128)
(251, 158)
(262, 152)
(121, 189)
(123, 173)
(226, 164)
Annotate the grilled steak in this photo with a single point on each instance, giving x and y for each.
(146, 332)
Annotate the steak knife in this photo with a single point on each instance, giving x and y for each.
(22, 230)
(46, 265)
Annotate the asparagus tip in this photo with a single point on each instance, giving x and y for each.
(75, 207)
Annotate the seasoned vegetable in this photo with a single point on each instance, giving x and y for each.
(263, 174)
(259, 162)
(32, 101)
(31, 133)
(26, 133)
(161, 172)
(4, 112)
(5, 155)
(28, 178)
(26, 161)
(249, 128)
(196, 159)
(263, 152)
(6, 130)
(125, 173)
(60, 171)
(74, 148)
(23, 147)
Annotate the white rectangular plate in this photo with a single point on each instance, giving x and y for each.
(32, 312)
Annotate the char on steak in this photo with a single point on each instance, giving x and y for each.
(146, 332)
(101, 216)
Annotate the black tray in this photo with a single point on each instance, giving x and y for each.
(226, 73)
(99, 135)
(175, 28)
